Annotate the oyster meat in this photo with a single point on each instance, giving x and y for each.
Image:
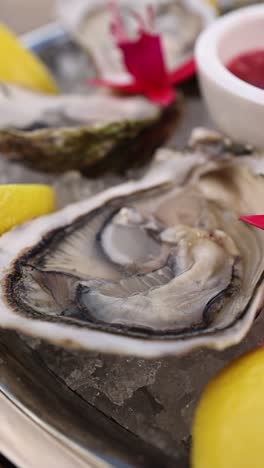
(177, 21)
(91, 132)
(156, 266)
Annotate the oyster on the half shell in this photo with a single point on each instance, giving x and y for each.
(91, 132)
(177, 21)
(156, 266)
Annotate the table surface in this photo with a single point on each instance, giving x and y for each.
(24, 15)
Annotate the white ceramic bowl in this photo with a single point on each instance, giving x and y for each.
(236, 106)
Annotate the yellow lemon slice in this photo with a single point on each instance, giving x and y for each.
(214, 3)
(228, 429)
(19, 203)
(21, 67)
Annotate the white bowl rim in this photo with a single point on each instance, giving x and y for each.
(209, 63)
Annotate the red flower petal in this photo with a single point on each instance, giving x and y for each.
(117, 26)
(162, 97)
(182, 73)
(144, 61)
(255, 220)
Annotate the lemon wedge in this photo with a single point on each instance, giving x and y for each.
(213, 3)
(229, 422)
(21, 67)
(19, 203)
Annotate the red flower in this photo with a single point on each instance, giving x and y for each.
(144, 60)
(255, 220)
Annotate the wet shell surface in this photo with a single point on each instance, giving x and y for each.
(156, 266)
(91, 133)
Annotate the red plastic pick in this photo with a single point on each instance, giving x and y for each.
(144, 60)
(255, 220)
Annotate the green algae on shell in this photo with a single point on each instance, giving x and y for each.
(91, 133)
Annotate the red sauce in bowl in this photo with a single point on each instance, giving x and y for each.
(249, 67)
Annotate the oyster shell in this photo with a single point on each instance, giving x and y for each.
(228, 5)
(156, 266)
(177, 21)
(91, 133)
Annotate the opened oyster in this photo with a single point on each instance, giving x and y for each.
(177, 21)
(161, 265)
(91, 133)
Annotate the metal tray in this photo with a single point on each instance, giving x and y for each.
(74, 409)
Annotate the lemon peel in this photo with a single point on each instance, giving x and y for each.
(21, 67)
(20, 203)
(228, 424)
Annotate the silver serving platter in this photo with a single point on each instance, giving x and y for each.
(69, 409)
(44, 423)
(62, 408)
(77, 409)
